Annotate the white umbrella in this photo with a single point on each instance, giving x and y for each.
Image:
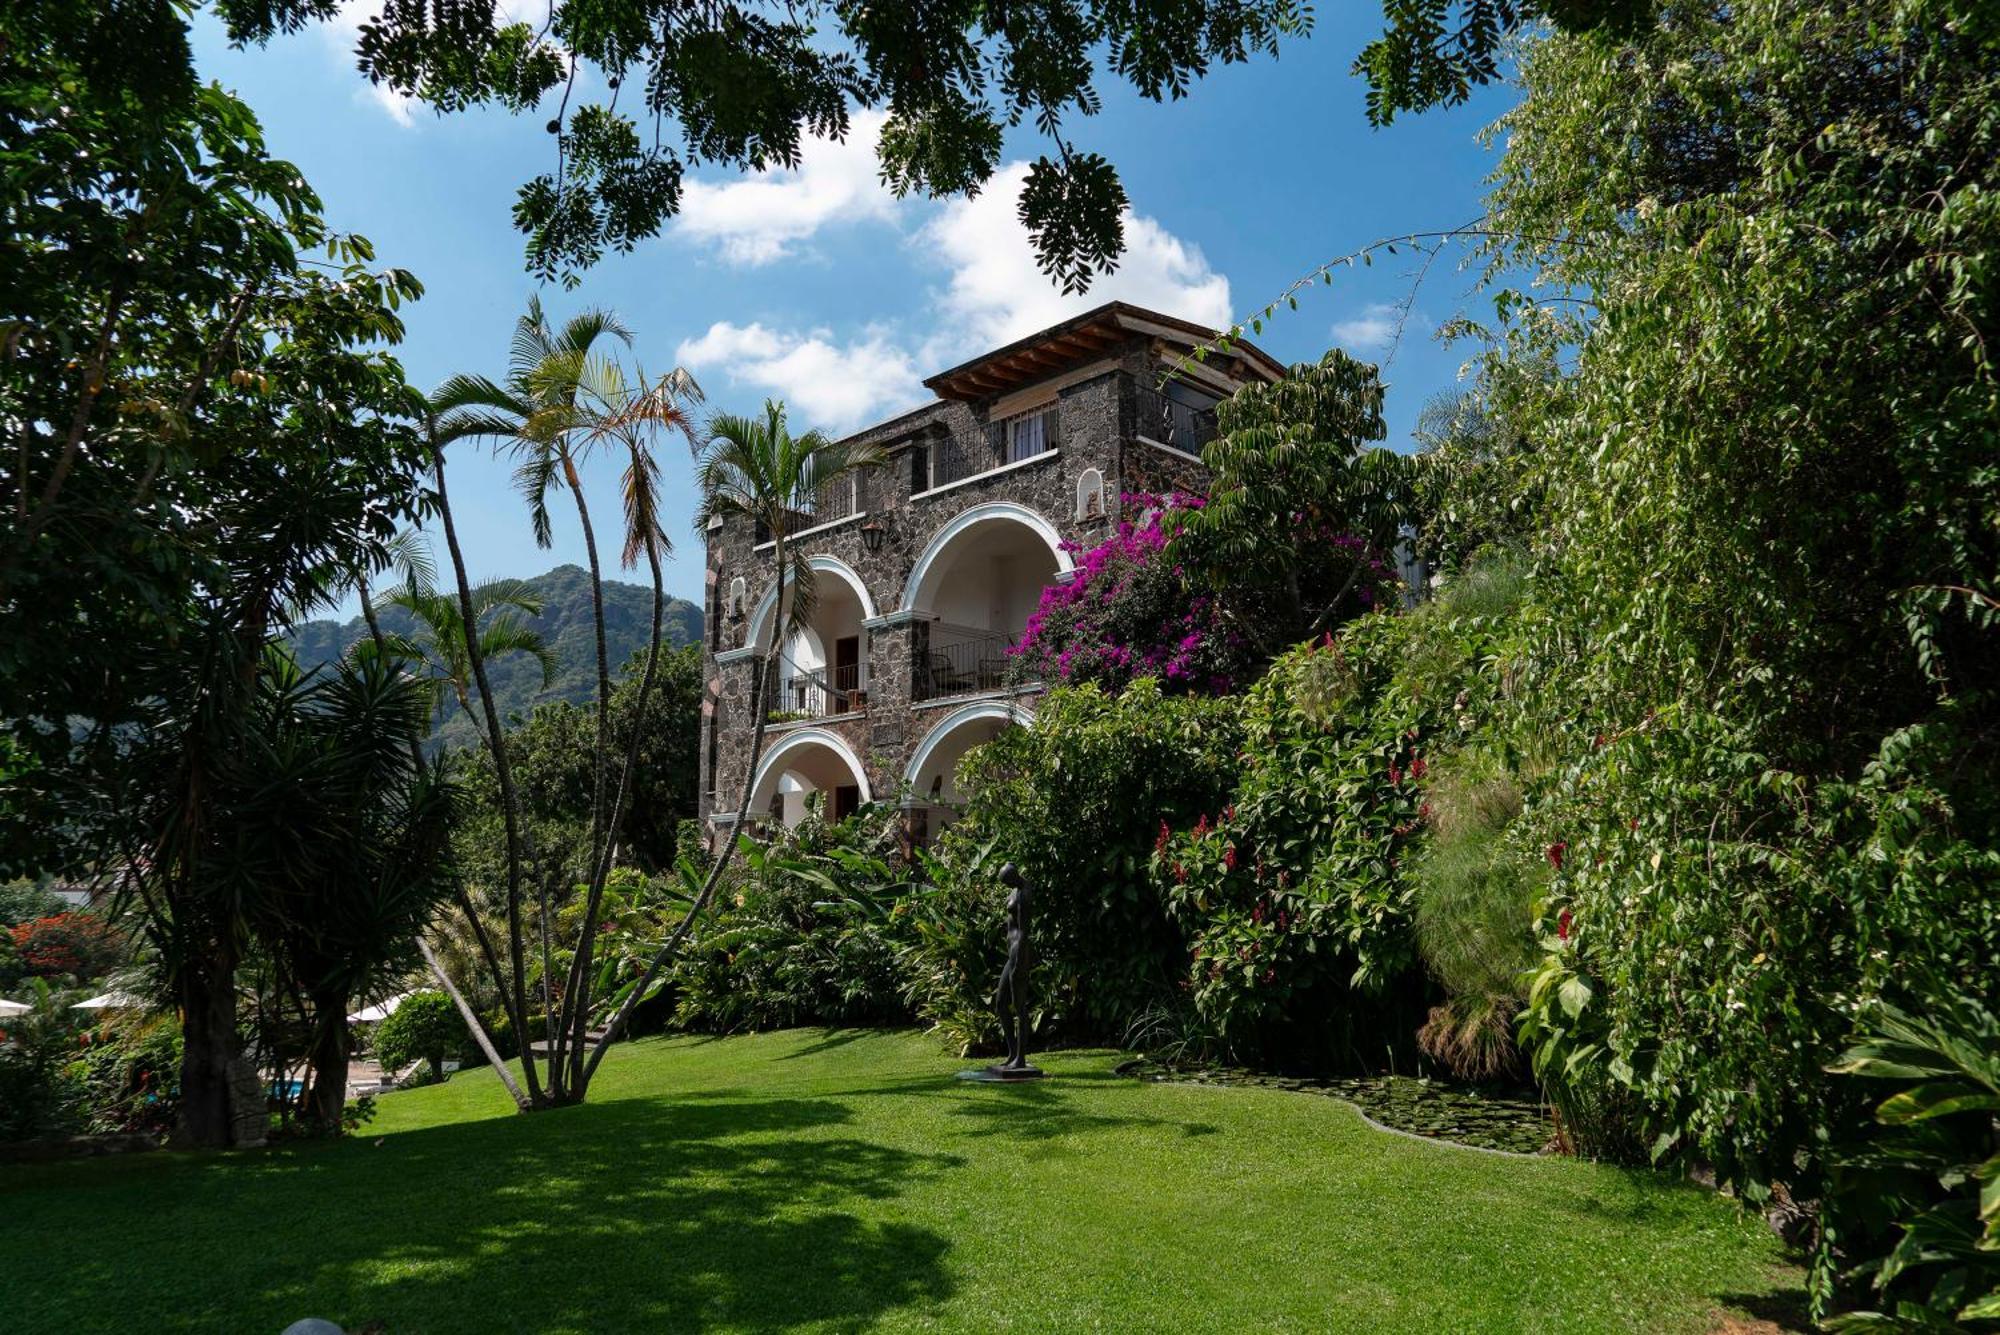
(381, 1010)
(13, 1007)
(110, 1001)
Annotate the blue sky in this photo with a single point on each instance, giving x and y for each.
(818, 287)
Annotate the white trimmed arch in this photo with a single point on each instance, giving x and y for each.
(760, 620)
(794, 748)
(950, 728)
(990, 512)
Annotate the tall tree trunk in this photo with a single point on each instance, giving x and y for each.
(326, 1088)
(562, 1026)
(514, 998)
(580, 967)
(766, 672)
(207, 994)
(598, 832)
(472, 1022)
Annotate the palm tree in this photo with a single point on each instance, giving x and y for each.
(440, 640)
(560, 400)
(544, 415)
(755, 468)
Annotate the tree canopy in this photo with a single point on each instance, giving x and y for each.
(741, 83)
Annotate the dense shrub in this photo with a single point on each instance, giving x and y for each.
(75, 946)
(37, 1096)
(427, 1027)
(1300, 892)
(127, 1075)
(1073, 801)
(1767, 576)
(803, 935)
(22, 900)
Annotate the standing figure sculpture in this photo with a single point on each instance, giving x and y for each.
(1010, 998)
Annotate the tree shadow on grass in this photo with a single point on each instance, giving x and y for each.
(829, 1040)
(1044, 1112)
(616, 1216)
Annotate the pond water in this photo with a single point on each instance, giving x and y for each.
(1484, 1117)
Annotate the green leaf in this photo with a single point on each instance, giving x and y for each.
(1574, 995)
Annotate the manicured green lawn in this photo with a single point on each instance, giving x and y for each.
(843, 1180)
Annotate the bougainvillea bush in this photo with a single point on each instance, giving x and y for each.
(1130, 612)
(1135, 608)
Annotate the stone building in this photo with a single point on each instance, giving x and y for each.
(928, 565)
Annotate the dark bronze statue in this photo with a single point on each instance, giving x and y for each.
(1010, 999)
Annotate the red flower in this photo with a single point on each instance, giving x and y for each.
(1201, 826)
(1562, 925)
(1229, 857)
(1423, 811)
(1395, 775)
(1180, 874)
(1635, 825)
(1270, 976)
(1229, 812)
(1555, 852)
(1257, 912)
(1160, 844)
(1417, 767)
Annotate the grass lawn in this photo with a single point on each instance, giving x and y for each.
(841, 1180)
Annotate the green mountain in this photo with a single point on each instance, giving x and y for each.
(565, 625)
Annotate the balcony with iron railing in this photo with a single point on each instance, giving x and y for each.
(1012, 440)
(1168, 421)
(836, 500)
(962, 660)
(810, 693)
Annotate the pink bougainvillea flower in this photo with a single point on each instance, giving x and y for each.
(1555, 854)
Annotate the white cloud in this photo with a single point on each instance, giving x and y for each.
(763, 217)
(992, 293)
(996, 294)
(826, 384)
(1373, 330)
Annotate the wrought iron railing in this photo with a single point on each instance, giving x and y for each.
(836, 500)
(1009, 441)
(1167, 420)
(817, 693)
(960, 660)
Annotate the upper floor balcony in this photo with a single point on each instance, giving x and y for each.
(1179, 418)
(1021, 438)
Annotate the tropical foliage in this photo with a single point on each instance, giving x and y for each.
(424, 1027)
